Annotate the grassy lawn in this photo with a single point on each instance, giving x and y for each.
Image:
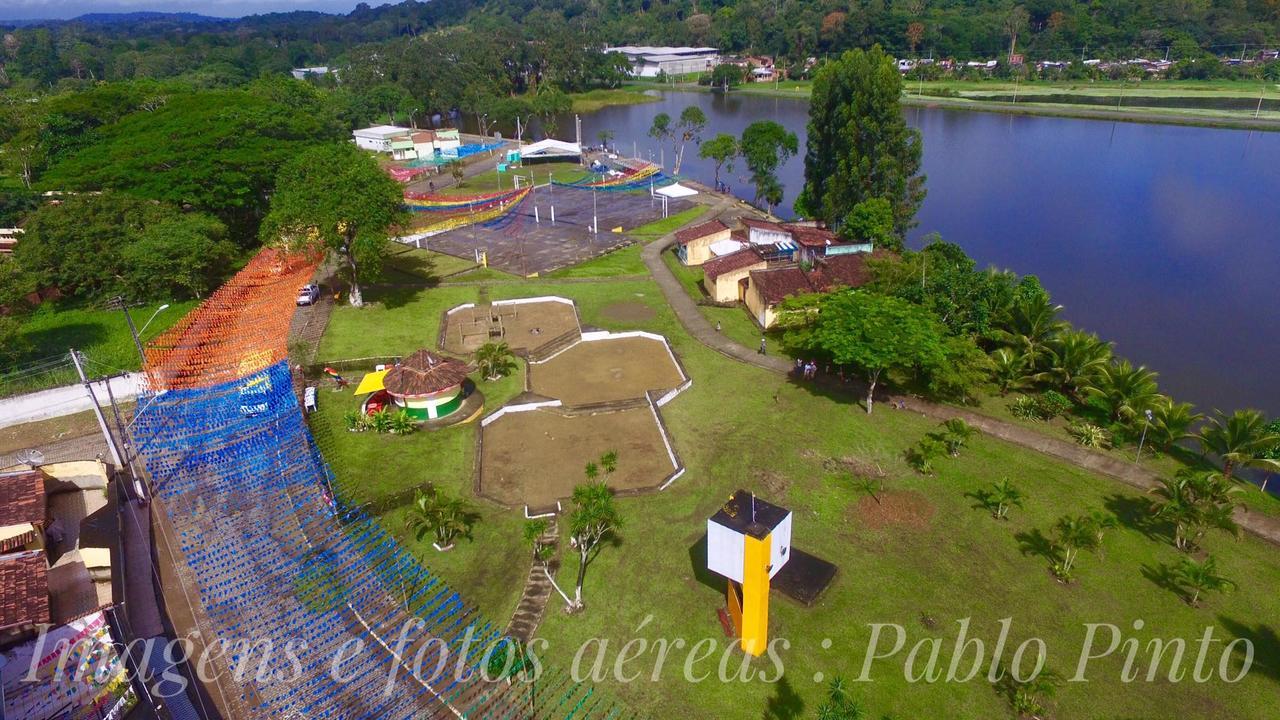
(102, 335)
(409, 264)
(593, 100)
(921, 557)
(671, 223)
(496, 181)
(620, 262)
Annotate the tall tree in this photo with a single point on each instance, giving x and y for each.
(688, 129)
(721, 150)
(766, 145)
(873, 333)
(594, 519)
(1240, 439)
(337, 197)
(860, 147)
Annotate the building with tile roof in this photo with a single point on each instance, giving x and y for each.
(722, 276)
(693, 244)
(767, 289)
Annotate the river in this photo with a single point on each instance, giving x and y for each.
(1162, 239)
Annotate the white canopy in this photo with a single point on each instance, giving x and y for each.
(550, 147)
(676, 190)
(726, 247)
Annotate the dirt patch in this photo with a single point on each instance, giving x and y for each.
(896, 508)
(606, 370)
(629, 312)
(858, 467)
(522, 326)
(775, 483)
(535, 458)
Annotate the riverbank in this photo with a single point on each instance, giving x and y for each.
(593, 100)
(1115, 101)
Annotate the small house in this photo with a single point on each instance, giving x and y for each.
(403, 148)
(724, 277)
(424, 143)
(447, 139)
(766, 289)
(693, 245)
(379, 137)
(9, 239)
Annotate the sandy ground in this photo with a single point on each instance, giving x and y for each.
(527, 326)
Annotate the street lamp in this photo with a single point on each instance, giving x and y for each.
(136, 333)
(1143, 439)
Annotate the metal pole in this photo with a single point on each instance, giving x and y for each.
(133, 330)
(97, 411)
(1144, 437)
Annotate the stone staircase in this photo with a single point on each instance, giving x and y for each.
(537, 591)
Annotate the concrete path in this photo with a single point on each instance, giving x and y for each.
(65, 400)
(537, 592)
(1264, 526)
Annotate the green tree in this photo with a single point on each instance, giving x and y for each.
(860, 146)
(594, 519)
(1123, 390)
(1201, 577)
(443, 518)
(1009, 370)
(726, 75)
(1240, 439)
(1003, 498)
(1030, 326)
(873, 333)
(688, 129)
(1171, 422)
(721, 150)
(1073, 359)
(955, 434)
(1195, 502)
(605, 137)
(1271, 453)
(336, 197)
(179, 256)
(548, 104)
(839, 704)
(661, 129)
(871, 221)
(1072, 534)
(765, 145)
(495, 360)
(14, 344)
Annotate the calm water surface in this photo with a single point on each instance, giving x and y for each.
(1165, 240)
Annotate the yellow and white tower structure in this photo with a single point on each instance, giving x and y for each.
(748, 542)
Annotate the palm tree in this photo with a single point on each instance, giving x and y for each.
(1030, 697)
(1003, 498)
(1240, 439)
(839, 705)
(955, 435)
(1073, 535)
(1201, 577)
(434, 513)
(495, 360)
(1074, 357)
(1124, 390)
(1031, 323)
(1272, 453)
(1009, 370)
(1195, 502)
(595, 517)
(1171, 422)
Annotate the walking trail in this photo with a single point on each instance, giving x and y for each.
(1131, 474)
(537, 591)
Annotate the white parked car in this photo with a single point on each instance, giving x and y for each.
(308, 295)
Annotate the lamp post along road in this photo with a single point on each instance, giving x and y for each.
(1143, 439)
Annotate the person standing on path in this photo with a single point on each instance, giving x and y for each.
(762, 346)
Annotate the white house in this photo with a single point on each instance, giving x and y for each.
(378, 138)
(447, 139)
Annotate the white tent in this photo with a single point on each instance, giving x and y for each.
(550, 148)
(676, 190)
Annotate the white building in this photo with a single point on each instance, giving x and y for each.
(648, 61)
(306, 72)
(379, 137)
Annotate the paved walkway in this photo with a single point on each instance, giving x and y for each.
(65, 400)
(1264, 526)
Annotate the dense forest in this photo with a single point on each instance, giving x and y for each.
(220, 52)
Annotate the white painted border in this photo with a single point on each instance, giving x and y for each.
(516, 301)
(559, 509)
(523, 407)
(662, 430)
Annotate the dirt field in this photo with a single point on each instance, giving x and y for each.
(535, 458)
(606, 370)
(526, 326)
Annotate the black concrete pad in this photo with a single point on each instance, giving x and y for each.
(804, 577)
(523, 246)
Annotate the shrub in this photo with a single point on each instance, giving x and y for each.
(402, 424)
(921, 455)
(1052, 404)
(380, 421)
(1090, 435)
(1025, 408)
(356, 421)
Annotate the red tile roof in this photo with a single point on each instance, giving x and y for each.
(697, 232)
(423, 136)
(24, 589)
(827, 274)
(423, 373)
(763, 224)
(744, 258)
(22, 497)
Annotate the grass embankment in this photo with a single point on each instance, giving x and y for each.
(101, 334)
(1209, 103)
(919, 554)
(593, 100)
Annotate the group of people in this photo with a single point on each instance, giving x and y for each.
(723, 187)
(807, 369)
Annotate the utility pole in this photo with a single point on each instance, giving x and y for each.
(97, 411)
(133, 330)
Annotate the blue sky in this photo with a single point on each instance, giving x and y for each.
(29, 9)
